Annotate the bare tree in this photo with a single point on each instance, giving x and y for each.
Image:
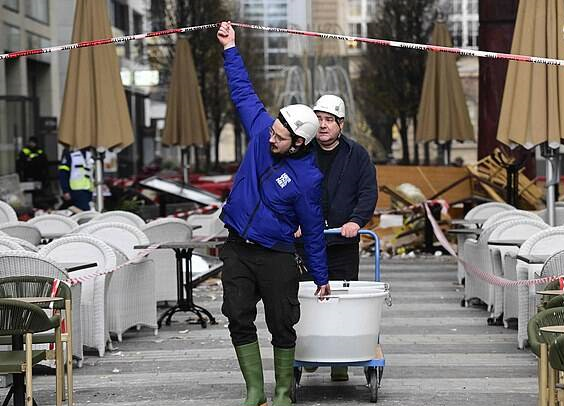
(391, 79)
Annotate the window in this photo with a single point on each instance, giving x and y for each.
(457, 34)
(138, 46)
(120, 16)
(277, 42)
(13, 5)
(355, 8)
(473, 33)
(472, 6)
(457, 6)
(12, 37)
(370, 9)
(37, 10)
(35, 41)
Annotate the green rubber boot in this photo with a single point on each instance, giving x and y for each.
(250, 363)
(283, 372)
(339, 374)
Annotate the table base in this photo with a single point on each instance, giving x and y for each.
(197, 310)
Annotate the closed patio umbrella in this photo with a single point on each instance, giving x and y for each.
(94, 112)
(443, 115)
(532, 111)
(185, 123)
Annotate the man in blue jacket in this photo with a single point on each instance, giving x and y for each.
(276, 190)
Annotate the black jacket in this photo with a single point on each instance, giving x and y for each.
(352, 188)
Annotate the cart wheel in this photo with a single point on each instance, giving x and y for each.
(295, 384)
(380, 373)
(373, 385)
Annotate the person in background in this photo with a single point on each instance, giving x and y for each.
(277, 189)
(32, 162)
(75, 178)
(349, 194)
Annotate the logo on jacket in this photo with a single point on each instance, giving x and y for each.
(283, 180)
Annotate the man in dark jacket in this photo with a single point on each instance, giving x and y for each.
(276, 190)
(349, 192)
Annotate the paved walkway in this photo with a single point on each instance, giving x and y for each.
(437, 353)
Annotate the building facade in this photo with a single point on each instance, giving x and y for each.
(29, 87)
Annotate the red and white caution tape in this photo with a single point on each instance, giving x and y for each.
(142, 254)
(115, 40)
(381, 42)
(471, 268)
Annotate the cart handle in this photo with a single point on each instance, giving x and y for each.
(376, 248)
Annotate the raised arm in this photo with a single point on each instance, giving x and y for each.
(251, 110)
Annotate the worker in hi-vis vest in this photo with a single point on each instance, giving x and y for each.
(75, 177)
(32, 162)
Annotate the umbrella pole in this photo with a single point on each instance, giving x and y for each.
(186, 165)
(552, 157)
(98, 158)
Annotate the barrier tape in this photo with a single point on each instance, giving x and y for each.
(488, 277)
(142, 254)
(381, 42)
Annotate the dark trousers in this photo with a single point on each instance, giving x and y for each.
(81, 199)
(252, 273)
(342, 261)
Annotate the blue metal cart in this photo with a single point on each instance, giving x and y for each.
(373, 368)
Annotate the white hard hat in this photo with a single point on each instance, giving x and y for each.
(330, 104)
(300, 120)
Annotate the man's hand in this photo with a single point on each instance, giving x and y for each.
(66, 196)
(322, 291)
(350, 229)
(298, 233)
(226, 35)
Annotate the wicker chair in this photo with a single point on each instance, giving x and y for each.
(538, 344)
(22, 243)
(548, 242)
(505, 299)
(25, 263)
(53, 225)
(41, 286)
(477, 253)
(481, 211)
(131, 296)
(7, 213)
(85, 216)
(24, 319)
(82, 248)
(166, 230)
(23, 231)
(119, 235)
(119, 216)
(509, 215)
(211, 225)
(9, 245)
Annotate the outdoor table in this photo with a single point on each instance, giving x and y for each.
(183, 251)
(553, 329)
(468, 222)
(77, 266)
(18, 388)
(553, 292)
(534, 259)
(507, 243)
(465, 231)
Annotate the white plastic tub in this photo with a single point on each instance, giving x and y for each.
(343, 328)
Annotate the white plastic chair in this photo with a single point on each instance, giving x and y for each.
(119, 216)
(53, 225)
(7, 213)
(160, 231)
(119, 235)
(482, 211)
(85, 216)
(24, 231)
(86, 249)
(514, 228)
(510, 214)
(546, 242)
(132, 296)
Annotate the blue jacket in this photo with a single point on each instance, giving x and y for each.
(272, 196)
(352, 189)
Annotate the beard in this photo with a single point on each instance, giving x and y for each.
(276, 153)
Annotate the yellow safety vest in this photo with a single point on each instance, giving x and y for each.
(80, 172)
